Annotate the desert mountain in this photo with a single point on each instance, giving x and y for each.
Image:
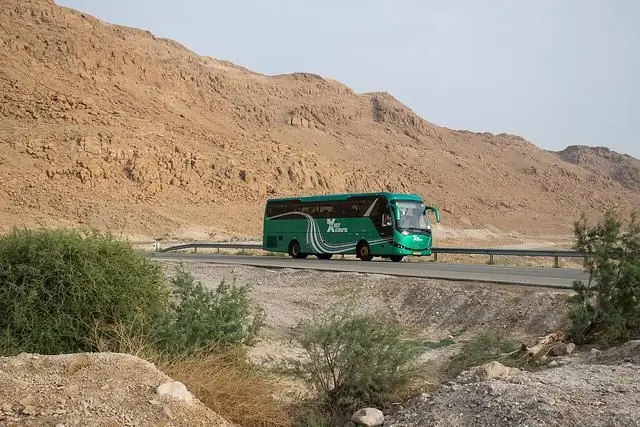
(605, 162)
(112, 127)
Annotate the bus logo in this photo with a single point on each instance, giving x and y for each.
(334, 227)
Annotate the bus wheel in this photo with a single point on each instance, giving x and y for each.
(324, 256)
(396, 258)
(363, 252)
(294, 250)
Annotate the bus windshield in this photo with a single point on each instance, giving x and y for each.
(411, 215)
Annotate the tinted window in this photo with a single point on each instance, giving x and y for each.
(338, 209)
(327, 210)
(278, 208)
(350, 208)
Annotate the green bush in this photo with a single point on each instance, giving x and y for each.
(64, 291)
(354, 360)
(56, 285)
(606, 309)
(197, 316)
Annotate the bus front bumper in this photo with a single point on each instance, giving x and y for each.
(403, 250)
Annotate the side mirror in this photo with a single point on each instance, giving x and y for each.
(435, 211)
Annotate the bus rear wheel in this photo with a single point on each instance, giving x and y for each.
(363, 251)
(396, 258)
(294, 250)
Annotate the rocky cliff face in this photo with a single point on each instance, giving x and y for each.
(603, 161)
(112, 127)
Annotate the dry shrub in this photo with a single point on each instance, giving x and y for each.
(230, 385)
(219, 376)
(351, 361)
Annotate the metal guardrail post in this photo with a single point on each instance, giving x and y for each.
(556, 261)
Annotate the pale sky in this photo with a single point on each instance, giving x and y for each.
(556, 72)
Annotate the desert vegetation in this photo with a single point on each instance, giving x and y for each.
(70, 292)
(65, 291)
(607, 308)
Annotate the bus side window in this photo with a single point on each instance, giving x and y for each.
(378, 211)
(274, 209)
(326, 211)
(310, 209)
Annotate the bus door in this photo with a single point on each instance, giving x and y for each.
(381, 217)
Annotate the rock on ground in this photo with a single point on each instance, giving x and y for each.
(369, 417)
(578, 392)
(95, 389)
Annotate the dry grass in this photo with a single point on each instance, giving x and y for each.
(221, 378)
(230, 386)
(510, 261)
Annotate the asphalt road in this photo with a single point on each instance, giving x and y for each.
(531, 276)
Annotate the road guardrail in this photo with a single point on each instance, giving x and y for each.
(491, 252)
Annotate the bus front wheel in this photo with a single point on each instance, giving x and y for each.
(363, 251)
(294, 250)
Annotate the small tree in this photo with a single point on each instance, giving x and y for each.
(607, 308)
(354, 360)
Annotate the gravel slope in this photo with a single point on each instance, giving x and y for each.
(582, 391)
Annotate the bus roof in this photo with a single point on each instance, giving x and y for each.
(345, 196)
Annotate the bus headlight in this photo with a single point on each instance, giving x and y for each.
(405, 233)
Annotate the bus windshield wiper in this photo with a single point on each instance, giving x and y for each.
(418, 229)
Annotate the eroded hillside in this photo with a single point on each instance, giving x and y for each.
(604, 161)
(112, 127)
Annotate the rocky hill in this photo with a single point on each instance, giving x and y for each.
(113, 127)
(605, 162)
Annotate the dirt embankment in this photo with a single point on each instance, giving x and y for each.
(433, 309)
(586, 389)
(97, 389)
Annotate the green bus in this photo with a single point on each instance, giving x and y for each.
(382, 224)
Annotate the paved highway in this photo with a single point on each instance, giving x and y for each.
(532, 276)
